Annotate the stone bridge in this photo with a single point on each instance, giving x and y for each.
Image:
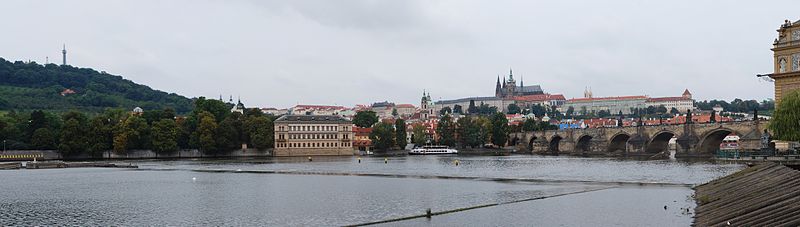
(692, 140)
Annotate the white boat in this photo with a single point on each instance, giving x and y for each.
(424, 150)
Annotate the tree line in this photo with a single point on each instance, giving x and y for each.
(210, 127)
(31, 86)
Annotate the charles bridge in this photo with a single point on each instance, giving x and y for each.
(692, 139)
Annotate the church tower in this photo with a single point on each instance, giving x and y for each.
(498, 89)
(786, 51)
(64, 55)
(425, 109)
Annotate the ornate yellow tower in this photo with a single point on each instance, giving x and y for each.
(787, 58)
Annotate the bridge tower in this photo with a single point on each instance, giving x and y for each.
(786, 56)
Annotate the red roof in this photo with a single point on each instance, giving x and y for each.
(609, 98)
(667, 99)
(539, 97)
(320, 107)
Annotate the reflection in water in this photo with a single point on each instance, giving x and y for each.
(330, 197)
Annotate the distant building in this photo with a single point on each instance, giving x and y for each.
(238, 108)
(509, 88)
(506, 92)
(405, 110)
(137, 111)
(304, 135)
(625, 104)
(613, 105)
(427, 107)
(786, 56)
(545, 100)
(67, 91)
(361, 139)
(680, 103)
(383, 109)
(316, 110)
(274, 111)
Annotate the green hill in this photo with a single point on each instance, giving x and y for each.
(31, 86)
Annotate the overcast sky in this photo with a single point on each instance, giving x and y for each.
(282, 53)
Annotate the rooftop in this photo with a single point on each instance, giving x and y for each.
(324, 119)
(632, 97)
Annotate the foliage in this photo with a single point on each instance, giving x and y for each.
(400, 133)
(499, 129)
(31, 86)
(471, 131)
(458, 109)
(785, 122)
(259, 129)
(513, 109)
(365, 119)
(419, 135)
(165, 136)
(446, 131)
(43, 139)
(737, 105)
(382, 136)
(445, 110)
(206, 133)
(73, 134)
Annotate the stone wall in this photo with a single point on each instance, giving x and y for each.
(315, 151)
(27, 155)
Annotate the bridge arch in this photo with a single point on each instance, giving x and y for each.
(659, 142)
(584, 144)
(710, 141)
(554, 143)
(619, 142)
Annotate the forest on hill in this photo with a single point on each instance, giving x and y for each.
(27, 86)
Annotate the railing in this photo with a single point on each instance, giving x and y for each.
(751, 154)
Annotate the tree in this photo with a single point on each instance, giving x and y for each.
(674, 111)
(165, 136)
(260, 131)
(570, 112)
(661, 110)
(499, 129)
(206, 132)
(228, 133)
(365, 119)
(400, 133)
(445, 110)
(513, 109)
(100, 136)
(382, 136)
(785, 122)
(471, 131)
(458, 109)
(73, 137)
(530, 125)
(538, 110)
(138, 132)
(394, 112)
(446, 130)
(43, 139)
(472, 109)
(603, 114)
(419, 134)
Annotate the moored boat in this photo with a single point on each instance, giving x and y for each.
(433, 149)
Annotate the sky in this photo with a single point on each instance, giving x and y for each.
(346, 52)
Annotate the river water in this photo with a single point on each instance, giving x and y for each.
(518, 190)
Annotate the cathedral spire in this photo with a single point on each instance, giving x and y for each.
(510, 74)
(521, 83)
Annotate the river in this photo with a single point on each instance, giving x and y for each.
(517, 190)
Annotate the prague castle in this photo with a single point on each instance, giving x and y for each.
(786, 49)
(509, 88)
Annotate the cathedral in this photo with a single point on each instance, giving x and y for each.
(509, 89)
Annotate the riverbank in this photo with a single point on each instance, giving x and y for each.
(43, 155)
(61, 164)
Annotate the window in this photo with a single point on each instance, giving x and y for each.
(796, 61)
